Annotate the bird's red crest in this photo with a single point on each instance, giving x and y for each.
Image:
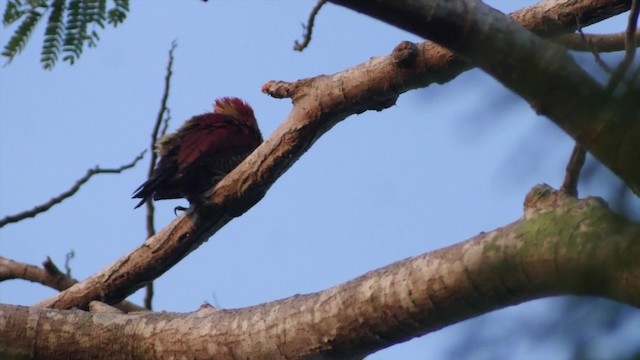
(233, 107)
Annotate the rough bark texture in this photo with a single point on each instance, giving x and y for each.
(319, 103)
(539, 71)
(561, 246)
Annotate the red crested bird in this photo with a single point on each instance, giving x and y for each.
(201, 152)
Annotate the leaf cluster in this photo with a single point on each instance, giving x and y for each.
(71, 24)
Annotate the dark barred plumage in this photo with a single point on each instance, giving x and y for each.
(201, 152)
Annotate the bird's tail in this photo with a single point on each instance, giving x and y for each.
(146, 190)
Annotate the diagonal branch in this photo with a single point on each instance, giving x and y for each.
(308, 29)
(630, 44)
(67, 194)
(542, 73)
(319, 104)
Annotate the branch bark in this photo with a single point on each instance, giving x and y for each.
(561, 246)
(597, 42)
(49, 275)
(541, 72)
(319, 104)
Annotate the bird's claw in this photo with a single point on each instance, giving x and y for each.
(179, 208)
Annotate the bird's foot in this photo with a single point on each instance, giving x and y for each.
(179, 208)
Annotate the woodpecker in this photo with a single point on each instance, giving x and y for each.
(201, 152)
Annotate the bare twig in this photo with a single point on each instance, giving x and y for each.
(576, 162)
(67, 262)
(67, 194)
(594, 42)
(155, 135)
(165, 126)
(630, 45)
(308, 29)
(593, 49)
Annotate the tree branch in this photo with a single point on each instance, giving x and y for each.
(156, 134)
(319, 104)
(601, 43)
(630, 45)
(308, 29)
(542, 73)
(49, 275)
(574, 167)
(532, 258)
(67, 194)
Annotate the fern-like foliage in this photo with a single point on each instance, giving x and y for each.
(53, 35)
(119, 12)
(22, 34)
(71, 25)
(12, 12)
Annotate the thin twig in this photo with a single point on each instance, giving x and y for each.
(67, 262)
(576, 162)
(578, 155)
(156, 134)
(308, 29)
(165, 126)
(630, 45)
(67, 194)
(594, 50)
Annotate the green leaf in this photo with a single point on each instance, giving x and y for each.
(62, 35)
(118, 14)
(13, 12)
(21, 36)
(53, 35)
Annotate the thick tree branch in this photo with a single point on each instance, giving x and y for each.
(319, 103)
(542, 73)
(561, 246)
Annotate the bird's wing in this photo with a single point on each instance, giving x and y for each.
(221, 138)
(170, 143)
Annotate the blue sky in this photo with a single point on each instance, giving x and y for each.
(444, 164)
